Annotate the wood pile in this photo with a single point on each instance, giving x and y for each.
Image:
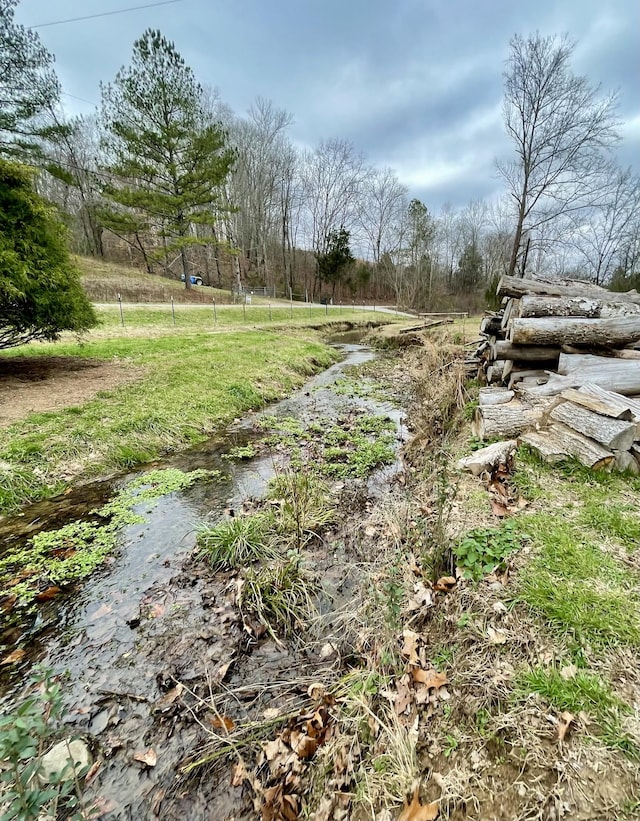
(562, 365)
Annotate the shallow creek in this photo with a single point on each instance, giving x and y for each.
(150, 618)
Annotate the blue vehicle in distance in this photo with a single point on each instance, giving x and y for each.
(193, 279)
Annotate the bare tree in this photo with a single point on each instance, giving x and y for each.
(381, 208)
(560, 126)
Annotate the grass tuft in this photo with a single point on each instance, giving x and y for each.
(237, 542)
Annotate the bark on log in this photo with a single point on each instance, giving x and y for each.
(623, 377)
(625, 462)
(516, 288)
(559, 442)
(605, 407)
(614, 434)
(491, 325)
(494, 396)
(504, 421)
(631, 402)
(590, 307)
(494, 371)
(616, 331)
(568, 362)
(487, 459)
(524, 353)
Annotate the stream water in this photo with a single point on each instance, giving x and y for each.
(123, 638)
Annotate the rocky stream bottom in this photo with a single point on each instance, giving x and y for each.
(193, 703)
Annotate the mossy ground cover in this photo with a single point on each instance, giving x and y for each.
(192, 386)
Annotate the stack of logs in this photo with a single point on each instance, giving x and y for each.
(564, 360)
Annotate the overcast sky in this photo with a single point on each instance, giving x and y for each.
(414, 84)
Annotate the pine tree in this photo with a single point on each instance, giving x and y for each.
(167, 160)
(40, 290)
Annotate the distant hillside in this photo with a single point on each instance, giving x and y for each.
(103, 281)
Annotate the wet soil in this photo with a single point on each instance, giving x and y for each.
(144, 645)
(50, 383)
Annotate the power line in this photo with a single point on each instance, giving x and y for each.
(104, 14)
(75, 97)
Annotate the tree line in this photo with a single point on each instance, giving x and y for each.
(168, 175)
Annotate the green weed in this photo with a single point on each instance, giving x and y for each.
(303, 503)
(610, 519)
(484, 550)
(237, 542)
(280, 596)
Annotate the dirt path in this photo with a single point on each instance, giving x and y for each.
(52, 383)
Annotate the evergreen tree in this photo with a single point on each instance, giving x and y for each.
(40, 291)
(167, 159)
(28, 84)
(470, 267)
(336, 262)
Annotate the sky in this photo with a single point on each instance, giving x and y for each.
(414, 84)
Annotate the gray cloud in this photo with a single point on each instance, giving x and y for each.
(414, 84)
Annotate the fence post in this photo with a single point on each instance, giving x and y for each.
(173, 311)
(269, 310)
(215, 313)
(291, 306)
(244, 308)
(326, 309)
(121, 311)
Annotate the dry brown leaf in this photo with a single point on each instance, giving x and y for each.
(445, 584)
(498, 509)
(168, 699)
(430, 678)
(239, 774)
(48, 594)
(410, 646)
(303, 745)
(222, 723)
(569, 672)
(422, 597)
(565, 720)
(271, 713)
(14, 658)
(415, 811)
(496, 636)
(91, 774)
(8, 603)
(149, 757)
(404, 695)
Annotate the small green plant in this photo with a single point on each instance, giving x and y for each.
(484, 550)
(240, 452)
(24, 736)
(237, 542)
(280, 596)
(303, 503)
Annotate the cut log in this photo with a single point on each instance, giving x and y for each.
(604, 402)
(512, 309)
(494, 371)
(487, 459)
(614, 434)
(625, 462)
(560, 442)
(516, 288)
(568, 362)
(623, 377)
(524, 353)
(491, 325)
(504, 421)
(616, 331)
(494, 396)
(519, 374)
(589, 307)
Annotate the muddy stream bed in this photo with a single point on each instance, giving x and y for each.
(152, 617)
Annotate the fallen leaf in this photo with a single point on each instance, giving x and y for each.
(415, 811)
(167, 700)
(430, 678)
(239, 774)
(14, 658)
(403, 696)
(8, 603)
(91, 774)
(271, 712)
(565, 720)
(498, 509)
(496, 636)
(149, 757)
(445, 584)
(569, 672)
(422, 597)
(98, 808)
(370, 531)
(222, 723)
(48, 594)
(410, 646)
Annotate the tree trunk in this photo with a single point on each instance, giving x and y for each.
(615, 331)
(538, 306)
(504, 421)
(622, 377)
(524, 353)
(515, 287)
(559, 443)
(614, 434)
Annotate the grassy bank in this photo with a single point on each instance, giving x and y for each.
(190, 385)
